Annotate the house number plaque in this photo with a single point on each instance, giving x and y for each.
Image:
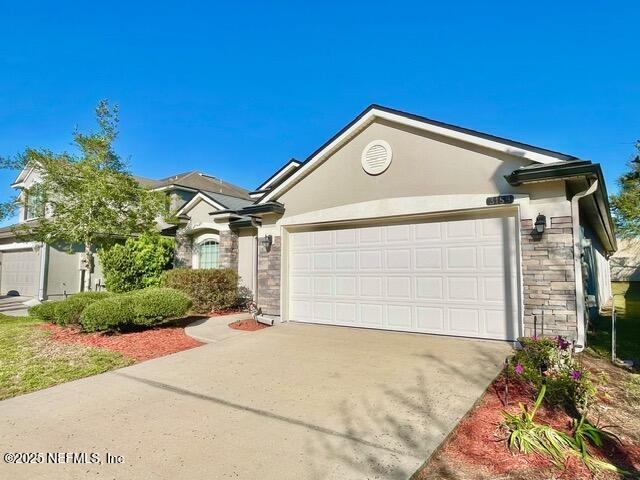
(500, 200)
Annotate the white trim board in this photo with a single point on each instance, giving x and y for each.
(17, 246)
(200, 197)
(293, 164)
(375, 113)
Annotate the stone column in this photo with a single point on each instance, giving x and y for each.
(269, 277)
(548, 278)
(228, 253)
(184, 249)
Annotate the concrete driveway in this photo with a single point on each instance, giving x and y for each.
(294, 401)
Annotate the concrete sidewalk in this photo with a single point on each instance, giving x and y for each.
(216, 329)
(287, 402)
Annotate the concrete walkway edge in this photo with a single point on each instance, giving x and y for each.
(216, 329)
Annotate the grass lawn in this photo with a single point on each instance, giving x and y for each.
(29, 361)
(627, 302)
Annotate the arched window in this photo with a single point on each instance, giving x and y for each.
(208, 254)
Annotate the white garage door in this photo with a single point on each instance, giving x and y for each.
(19, 272)
(447, 277)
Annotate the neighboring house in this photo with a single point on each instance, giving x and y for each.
(36, 270)
(399, 222)
(625, 263)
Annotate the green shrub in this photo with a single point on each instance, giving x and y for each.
(45, 312)
(147, 307)
(136, 264)
(550, 362)
(214, 289)
(108, 314)
(154, 305)
(67, 311)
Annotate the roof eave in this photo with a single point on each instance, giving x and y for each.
(572, 170)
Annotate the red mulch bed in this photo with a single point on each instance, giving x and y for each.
(140, 346)
(477, 446)
(221, 313)
(249, 325)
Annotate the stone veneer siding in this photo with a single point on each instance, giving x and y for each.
(548, 278)
(228, 250)
(184, 249)
(269, 278)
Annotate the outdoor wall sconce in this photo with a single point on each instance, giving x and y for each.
(266, 241)
(541, 223)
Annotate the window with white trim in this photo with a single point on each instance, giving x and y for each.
(208, 254)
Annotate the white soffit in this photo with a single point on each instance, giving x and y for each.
(374, 113)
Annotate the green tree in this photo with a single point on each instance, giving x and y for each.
(626, 204)
(136, 264)
(88, 196)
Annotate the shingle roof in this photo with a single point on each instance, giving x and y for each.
(203, 182)
(232, 203)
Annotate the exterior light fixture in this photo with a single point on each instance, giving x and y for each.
(266, 241)
(541, 223)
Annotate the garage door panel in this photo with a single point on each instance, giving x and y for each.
(462, 289)
(428, 258)
(346, 313)
(400, 317)
(323, 286)
(372, 314)
(430, 319)
(346, 286)
(430, 288)
(461, 258)
(370, 236)
(19, 272)
(347, 261)
(398, 259)
(370, 259)
(399, 287)
(464, 321)
(398, 233)
(428, 232)
(453, 278)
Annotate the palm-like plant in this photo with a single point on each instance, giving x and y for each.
(585, 433)
(527, 436)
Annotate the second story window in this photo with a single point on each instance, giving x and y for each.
(34, 204)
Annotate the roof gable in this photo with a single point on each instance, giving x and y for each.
(512, 148)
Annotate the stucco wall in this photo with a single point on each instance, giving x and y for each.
(63, 271)
(246, 261)
(423, 164)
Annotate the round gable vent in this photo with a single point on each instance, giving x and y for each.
(376, 157)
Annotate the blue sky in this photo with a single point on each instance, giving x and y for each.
(236, 89)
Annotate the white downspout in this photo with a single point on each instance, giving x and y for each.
(577, 263)
(44, 258)
(254, 284)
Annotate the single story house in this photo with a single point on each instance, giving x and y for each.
(400, 222)
(48, 272)
(397, 222)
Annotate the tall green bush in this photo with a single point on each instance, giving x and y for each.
(146, 307)
(68, 311)
(210, 289)
(137, 263)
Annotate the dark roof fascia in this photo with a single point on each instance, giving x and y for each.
(568, 170)
(555, 171)
(245, 222)
(420, 118)
(476, 133)
(297, 163)
(269, 207)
